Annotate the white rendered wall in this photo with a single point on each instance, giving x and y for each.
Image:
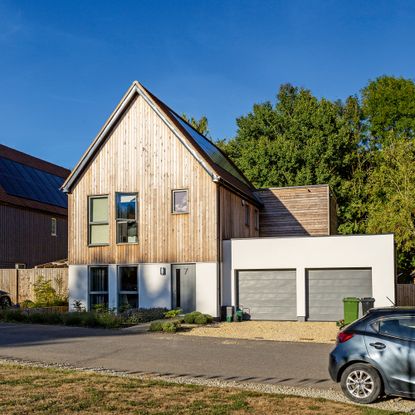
(78, 285)
(154, 289)
(207, 288)
(355, 251)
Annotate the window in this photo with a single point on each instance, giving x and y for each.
(247, 214)
(126, 217)
(98, 220)
(53, 227)
(256, 219)
(128, 288)
(98, 287)
(401, 327)
(180, 201)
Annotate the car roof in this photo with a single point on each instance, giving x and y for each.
(392, 310)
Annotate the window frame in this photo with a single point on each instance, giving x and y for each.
(120, 292)
(90, 223)
(53, 227)
(172, 201)
(118, 220)
(90, 292)
(256, 219)
(247, 214)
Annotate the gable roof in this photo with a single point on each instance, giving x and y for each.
(27, 181)
(212, 159)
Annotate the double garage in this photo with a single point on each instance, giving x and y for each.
(306, 278)
(271, 294)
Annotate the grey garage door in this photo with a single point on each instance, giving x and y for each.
(269, 294)
(328, 287)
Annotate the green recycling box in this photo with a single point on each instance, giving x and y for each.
(351, 309)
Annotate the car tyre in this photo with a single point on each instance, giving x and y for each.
(361, 383)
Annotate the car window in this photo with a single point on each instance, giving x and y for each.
(402, 327)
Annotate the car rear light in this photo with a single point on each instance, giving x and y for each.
(343, 337)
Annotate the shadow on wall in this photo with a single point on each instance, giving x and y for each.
(276, 219)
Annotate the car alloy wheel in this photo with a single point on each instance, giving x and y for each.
(361, 383)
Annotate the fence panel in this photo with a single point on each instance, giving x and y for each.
(20, 283)
(405, 294)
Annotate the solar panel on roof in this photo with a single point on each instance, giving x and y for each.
(20, 180)
(210, 149)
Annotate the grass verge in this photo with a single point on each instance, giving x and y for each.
(31, 390)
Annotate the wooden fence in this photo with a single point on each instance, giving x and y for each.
(405, 294)
(19, 282)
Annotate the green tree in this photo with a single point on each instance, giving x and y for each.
(388, 105)
(391, 190)
(200, 125)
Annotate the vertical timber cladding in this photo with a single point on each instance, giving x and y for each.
(326, 289)
(295, 211)
(142, 155)
(268, 294)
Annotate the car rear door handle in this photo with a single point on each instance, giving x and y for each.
(378, 345)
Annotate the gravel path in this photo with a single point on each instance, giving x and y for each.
(393, 405)
(314, 332)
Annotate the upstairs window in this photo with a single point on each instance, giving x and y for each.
(98, 220)
(53, 227)
(180, 202)
(247, 214)
(126, 217)
(256, 219)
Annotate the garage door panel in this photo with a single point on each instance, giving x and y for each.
(269, 294)
(328, 287)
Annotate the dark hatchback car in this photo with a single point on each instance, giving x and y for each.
(5, 301)
(375, 356)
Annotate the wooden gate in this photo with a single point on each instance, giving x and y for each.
(405, 294)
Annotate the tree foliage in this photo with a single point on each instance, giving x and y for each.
(200, 125)
(362, 147)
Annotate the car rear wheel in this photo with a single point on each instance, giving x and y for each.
(361, 383)
(5, 302)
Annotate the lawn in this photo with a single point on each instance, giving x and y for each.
(29, 390)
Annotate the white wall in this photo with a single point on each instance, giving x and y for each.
(302, 253)
(206, 288)
(78, 285)
(154, 289)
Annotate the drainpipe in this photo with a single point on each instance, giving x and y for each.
(219, 249)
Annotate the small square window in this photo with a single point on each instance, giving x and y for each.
(180, 203)
(53, 226)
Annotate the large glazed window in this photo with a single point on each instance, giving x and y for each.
(126, 216)
(180, 202)
(98, 287)
(98, 220)
(128, 288)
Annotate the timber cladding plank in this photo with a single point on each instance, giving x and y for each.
(142, 155)
(295, 211)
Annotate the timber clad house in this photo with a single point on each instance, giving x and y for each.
(33, 210)
(160, 217)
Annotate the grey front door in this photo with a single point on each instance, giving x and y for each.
(184, 287)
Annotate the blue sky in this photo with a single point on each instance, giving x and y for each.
(64, 65)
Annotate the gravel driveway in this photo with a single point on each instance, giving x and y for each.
(314, 332)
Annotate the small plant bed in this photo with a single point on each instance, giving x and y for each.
(99, 318)
(175, 321)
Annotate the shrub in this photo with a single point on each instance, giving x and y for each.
(171, 326)
(46, 295)
(108, 320)
(202, 319)
(27, 304)
(72, 319)
(13, 316)
(143, 315)
(172, 313)
(156, 326)
(190, 317)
